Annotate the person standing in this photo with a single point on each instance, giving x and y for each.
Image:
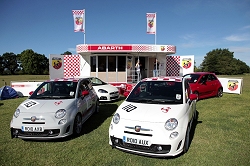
(138, 70)
(156, 68)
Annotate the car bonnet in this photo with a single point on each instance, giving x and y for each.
(109, 88)
(150, 112)
(43, 106)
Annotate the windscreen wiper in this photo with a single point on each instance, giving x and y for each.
(140, 100)
(50, 97)
(165, 101)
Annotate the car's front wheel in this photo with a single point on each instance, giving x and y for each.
(97, 106)
(220, 92)
(187, 140)
(195, 115)
(77, 125)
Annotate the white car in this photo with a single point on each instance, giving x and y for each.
(56, 109)
(155, 119)
(105, 91)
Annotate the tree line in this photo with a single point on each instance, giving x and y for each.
(222, 62)
(218, 61)
(27, 62)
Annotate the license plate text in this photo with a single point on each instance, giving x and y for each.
(136, 141)
(32, 129)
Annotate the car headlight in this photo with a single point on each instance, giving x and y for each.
(60, 113)
(116, 118)
(171, 124)
(17, 113)
(102, 91)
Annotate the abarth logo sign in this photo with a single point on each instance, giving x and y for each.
(57, 62)
(186, 63)
(232, 85)
(110, 48)
(162, 48)
(151, 23)
(78, 20)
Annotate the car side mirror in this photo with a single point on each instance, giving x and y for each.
(85, 92)
(193, 96)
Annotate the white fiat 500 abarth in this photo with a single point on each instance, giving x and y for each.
(155, 119)
(56, 109)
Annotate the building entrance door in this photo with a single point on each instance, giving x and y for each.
(144, 66)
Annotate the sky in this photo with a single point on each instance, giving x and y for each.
(195, 27)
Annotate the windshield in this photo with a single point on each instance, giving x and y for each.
(192, 78)
(95, 81)
(55, 90)
(157, 92)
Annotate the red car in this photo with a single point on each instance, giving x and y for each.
(205, 84)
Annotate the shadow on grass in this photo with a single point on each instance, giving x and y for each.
(106, 110)
(1, 104)
(207, 98)
(192, 131)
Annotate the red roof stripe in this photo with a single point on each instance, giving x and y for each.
(170, 78)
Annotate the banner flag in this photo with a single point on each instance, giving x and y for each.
(151, 23)
(79, 20)
(232, 85)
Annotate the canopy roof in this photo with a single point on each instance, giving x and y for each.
(132, 49)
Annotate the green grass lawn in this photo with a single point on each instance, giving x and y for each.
(221, 137)
(6, 79)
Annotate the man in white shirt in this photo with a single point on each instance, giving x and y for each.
(138, 70)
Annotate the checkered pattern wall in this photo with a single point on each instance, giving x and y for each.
(171, 49)
(173, 66)
(71, 65)
(81, 48)
(143, 48)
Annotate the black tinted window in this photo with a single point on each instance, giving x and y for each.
(55, 89)
(166, 91)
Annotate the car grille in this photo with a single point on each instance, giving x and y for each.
(37, 121)
(142, 134)
(46, 133)
(33, 122)
(146, 149)
(113, 93)
(115, 97)
(116, 93)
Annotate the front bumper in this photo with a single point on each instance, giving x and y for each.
(109, 97)
(46, 134)
(161, 145)
(50, 126)
(152, 149)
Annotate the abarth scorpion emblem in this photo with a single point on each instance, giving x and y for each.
(33, 118)
(137, 128)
